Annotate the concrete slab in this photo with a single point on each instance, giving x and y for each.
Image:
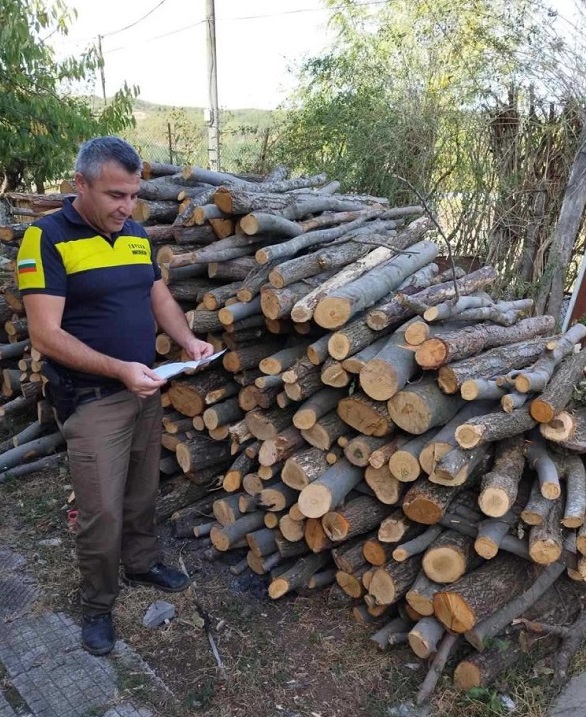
(5, 708)
(572, 701)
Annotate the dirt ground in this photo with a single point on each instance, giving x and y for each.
(296, 657)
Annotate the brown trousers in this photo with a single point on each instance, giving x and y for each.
(114, 447)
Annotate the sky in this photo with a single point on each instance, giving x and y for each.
(160, 45)
(164, 52)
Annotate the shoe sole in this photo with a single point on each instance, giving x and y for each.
(139, 583)
(99, 652)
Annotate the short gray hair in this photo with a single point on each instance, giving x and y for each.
(97, 152)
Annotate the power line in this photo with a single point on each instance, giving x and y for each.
(136, 22)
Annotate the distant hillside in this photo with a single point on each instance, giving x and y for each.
(179, 135)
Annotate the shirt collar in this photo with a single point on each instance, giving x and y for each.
(75, 217)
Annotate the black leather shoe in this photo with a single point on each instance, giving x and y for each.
(161, 576)
(97, 634)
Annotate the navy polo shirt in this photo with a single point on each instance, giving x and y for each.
(106, 284)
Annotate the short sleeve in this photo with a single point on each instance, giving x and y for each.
(39, 266)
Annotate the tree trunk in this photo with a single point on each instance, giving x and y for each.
(499, 488)
(338, 308)
(493, 427)
(421, 406)
(558, 392)
(356, 517)
(481, 592)
(440, 350)
(365, 415)
(326, 493)
(495, 362)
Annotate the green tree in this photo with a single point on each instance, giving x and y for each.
(42, 121)
(462, 104)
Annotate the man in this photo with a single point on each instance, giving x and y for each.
(92, 293)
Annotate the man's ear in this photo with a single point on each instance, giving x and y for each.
(81, 182)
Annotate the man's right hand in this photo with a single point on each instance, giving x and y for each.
(140, 379)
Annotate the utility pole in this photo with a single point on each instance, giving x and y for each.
(213, 111)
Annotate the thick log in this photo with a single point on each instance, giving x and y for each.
(296, 244)
(482, 633)
(332, 374)
(352, 338)
(282, 360)
(222, 413)
(537, 377)
(568, 430)
(425, 636)
(277, 497)
(365, 414)
(499, 488)
(201, 452)
(318, 405)
(389, 371)
(187, 395)
(279, 303)
(537, 506)
(391, 582)
(545, 540)
(451, 555)
(397, 527)
(356, 517)
(420, 594)
(421, 406)
(443, 349)
(445, 440)
(359, 449)
(384, 485)
(301, 267)
(325, 432)
(339, 307)
(304, 308)
(498, 361)
(298, 576)
(558, 391)
(404, 463)
(275, 450)
(228, 536)
(483, 591)
(264, 424)
(304, 467)
(457, 466)
(185, 493)
(494, 427)
(427, 502)
(233, 269)
(327, 492)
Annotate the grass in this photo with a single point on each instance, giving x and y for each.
(294, 657)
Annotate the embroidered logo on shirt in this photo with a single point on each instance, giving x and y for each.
(26, 266)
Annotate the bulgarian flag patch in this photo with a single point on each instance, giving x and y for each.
(26, 266)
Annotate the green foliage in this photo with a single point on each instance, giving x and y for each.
(41, 121)
(436, 101)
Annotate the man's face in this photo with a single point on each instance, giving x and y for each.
(108, 201)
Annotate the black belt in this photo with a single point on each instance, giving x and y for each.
(85, 395)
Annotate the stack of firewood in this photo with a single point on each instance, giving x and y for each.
(377, 424)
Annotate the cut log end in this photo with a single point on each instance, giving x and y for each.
(315, 501)
(453, 612)
(332, 312)
(469, 435)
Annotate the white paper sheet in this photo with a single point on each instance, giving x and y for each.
(173, 369)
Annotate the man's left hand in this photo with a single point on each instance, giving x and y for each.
(197, 349)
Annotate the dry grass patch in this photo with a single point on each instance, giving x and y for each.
(296, 657)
